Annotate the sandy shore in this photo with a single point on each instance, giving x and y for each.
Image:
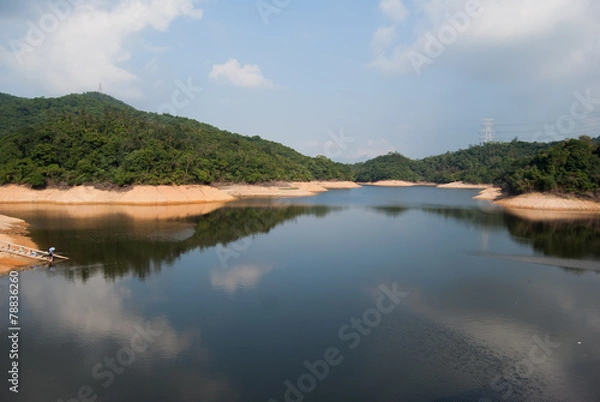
(548, 202)
(275, 191)
(490, 193)
(337, 185)
(164, 195)
(138, 195)
(398, 183)
(286, 189)
(14, 231)
(466, 186)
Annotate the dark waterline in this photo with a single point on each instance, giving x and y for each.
(233, 304)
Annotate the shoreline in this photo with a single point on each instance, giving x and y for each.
(164, 202)
(548, 202)
(137, 195)
(399, 183)
(165, 195)
(286, 189)
(465, 186)
(14, 231)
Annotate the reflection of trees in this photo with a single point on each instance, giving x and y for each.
(470, 216)
(558, 238)
(141, 254)
(394, 211)
(564, 238)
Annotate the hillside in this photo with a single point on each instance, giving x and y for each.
(477, 164)
(92, 138)
(95, 139)
(17, 113)
(571, 166)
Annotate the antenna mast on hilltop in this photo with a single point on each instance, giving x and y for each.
(487, 130)
(100, 88)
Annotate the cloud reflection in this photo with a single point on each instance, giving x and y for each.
(244, 276)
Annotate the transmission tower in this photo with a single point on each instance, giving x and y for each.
(487, 130)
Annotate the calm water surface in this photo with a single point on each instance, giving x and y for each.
(373, 294)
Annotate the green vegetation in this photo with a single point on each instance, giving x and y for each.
(477, 164)
(572, 166)
(94, 139)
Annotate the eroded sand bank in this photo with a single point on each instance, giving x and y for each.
(398, 183)
(286, 189)
(490, 194)
(548, 202)
(466, 186)
(137, 195)
(14, 231)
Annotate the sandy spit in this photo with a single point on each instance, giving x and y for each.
(398, 183)
(337, 185)
(490, 193)
(466, 186)
(548, 202)
(280, 190)
(14, 231)
(138, 195)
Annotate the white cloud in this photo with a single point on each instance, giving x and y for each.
(249, 76)
(383, 38)
(394, 10)
(539, 40)
(77, 48)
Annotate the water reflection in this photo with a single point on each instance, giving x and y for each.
(118, 244)
(244, 276)
(236, 334)
(560, 238)
(565, 236)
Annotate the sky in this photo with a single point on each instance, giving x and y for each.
(346, 79)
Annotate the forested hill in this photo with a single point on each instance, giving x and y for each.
(570, 166)
(17, 113)
(477, 164)
(93, 138)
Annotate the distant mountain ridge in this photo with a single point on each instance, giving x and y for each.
(92, 138)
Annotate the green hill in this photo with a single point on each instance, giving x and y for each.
(93, 138)
(477, 164)
(17, 113)
(571, 166)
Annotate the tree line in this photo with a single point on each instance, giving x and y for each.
(92, 138)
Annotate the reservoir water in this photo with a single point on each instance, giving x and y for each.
(371, 294)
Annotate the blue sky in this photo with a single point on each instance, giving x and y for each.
(349, 80)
